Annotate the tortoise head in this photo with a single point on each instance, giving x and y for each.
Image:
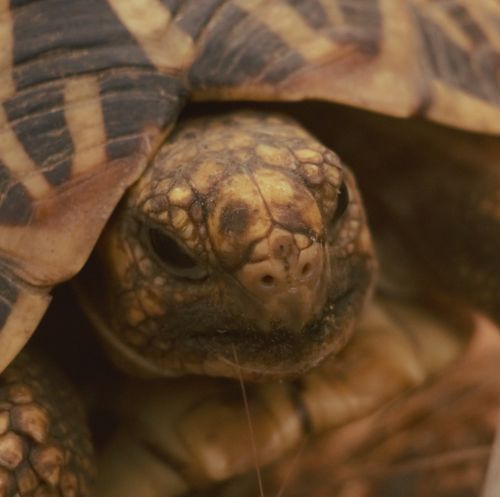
(244, 242)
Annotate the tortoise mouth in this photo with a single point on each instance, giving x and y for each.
(281, 353)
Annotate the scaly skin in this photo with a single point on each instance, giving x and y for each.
(273, 254)
(435, 441)
(45, 448)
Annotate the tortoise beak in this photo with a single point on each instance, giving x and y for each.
(287, 282)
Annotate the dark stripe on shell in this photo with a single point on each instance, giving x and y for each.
(134, 100)
(466, 23)
(196, 16)
(311, 11)
(37, 117)
(364, 22)
(240, 48)
(476, 72)
(8, 289)
(54, 39)
(15, 202)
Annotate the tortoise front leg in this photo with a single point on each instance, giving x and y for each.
(45, 446)
(435, 441)
(180, 435)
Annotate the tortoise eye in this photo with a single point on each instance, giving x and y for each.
(342, 202)
(175, 259)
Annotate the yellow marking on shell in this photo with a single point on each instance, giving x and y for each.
(482, 14)
(284, 20)
(7, 85)
(308, 155)
(181, 196)
(18, 162)
(275, 156)
(85, 121)
(453, 106)
(491, 5)
(149, 21)
(333, 11)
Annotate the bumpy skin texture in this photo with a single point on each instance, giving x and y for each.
(45, 448)
(435, 441)
(277, 254)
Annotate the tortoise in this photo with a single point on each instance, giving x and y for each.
(87, 101)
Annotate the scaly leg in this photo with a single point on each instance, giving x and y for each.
(45, 447)
(435, 441)
(183, 435)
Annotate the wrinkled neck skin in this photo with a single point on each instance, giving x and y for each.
(243, 249)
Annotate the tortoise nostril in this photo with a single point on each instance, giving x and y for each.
(267, 280)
